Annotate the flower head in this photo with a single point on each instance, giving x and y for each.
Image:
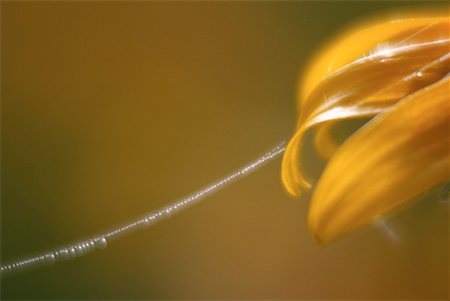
(397, 74)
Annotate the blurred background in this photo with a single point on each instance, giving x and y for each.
(112, 109)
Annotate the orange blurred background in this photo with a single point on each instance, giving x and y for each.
(112, 109)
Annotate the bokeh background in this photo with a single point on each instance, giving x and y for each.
(112, 109)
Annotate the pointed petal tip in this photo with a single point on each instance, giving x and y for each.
(295, 190)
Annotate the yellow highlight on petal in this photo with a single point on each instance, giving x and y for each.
(395, 72)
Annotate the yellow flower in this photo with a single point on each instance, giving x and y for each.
(396, 73)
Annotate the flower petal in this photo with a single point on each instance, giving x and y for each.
(363, 40)
(323, 141)
(414, 56)
(395, 157)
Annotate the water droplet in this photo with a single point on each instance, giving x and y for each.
(64, 254)
(50, 259)
(101, 243)
(72, 253)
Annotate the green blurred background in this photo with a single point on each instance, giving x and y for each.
(112, 109)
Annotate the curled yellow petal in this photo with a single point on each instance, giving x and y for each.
(396, 73)
(358, 41)
(393, 158)
(405, 63)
